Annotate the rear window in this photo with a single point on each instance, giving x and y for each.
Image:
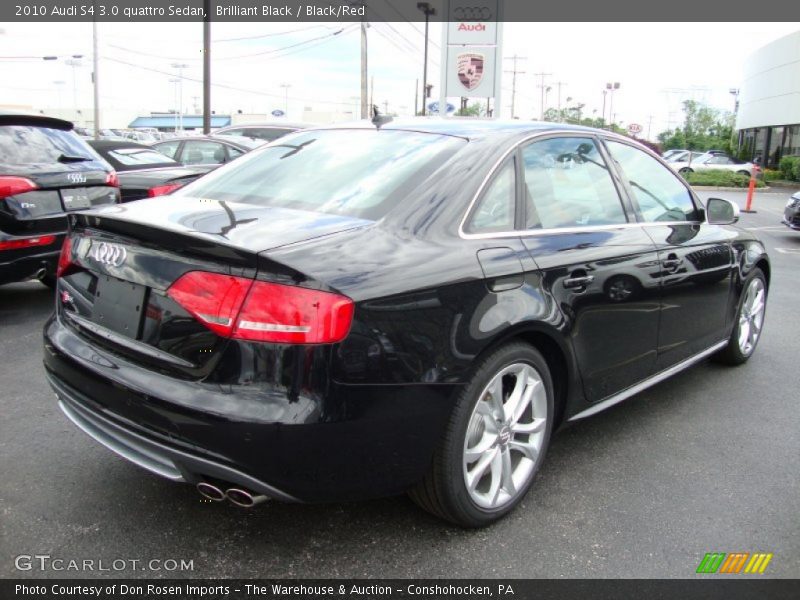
(357, 173)
(25, 144)
(139, 157)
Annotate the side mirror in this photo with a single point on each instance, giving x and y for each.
(721, 212)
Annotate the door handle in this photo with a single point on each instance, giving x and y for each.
(672, 264)
(578, 282)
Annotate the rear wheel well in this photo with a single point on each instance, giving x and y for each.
(764, 266)
(556, 362)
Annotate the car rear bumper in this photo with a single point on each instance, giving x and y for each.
(28, 263)
(354, 442)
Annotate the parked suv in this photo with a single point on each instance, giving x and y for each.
(46, 171)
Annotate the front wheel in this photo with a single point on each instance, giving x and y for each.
(685, 171)
(749, 321)
(495, 440)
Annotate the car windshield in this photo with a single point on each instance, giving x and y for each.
(27, 144)
(139, 157)
(358, 173)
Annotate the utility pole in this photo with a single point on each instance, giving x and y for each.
(416, 97)
(364, 98)
(514, 72)
(426, 8)
(207, 68)
(542, 86)
(371, 102)
(96, 81)
(559, 84)
(649, 125)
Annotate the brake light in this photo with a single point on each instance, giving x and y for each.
(112, 179)
(260, 311)
(65, 258)
(31, 242)
(162, 190)
(11, 186)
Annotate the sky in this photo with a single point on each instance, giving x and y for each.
(657, 65)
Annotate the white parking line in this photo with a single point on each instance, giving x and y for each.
(768, 228)
(788, 250)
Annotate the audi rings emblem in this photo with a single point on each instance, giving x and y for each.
(108, 254)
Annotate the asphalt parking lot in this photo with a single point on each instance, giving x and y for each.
(707, 461)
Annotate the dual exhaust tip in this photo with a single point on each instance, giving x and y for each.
(237, 496)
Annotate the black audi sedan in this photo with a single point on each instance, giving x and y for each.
(46, 172)
(357, 311)
(144, 172)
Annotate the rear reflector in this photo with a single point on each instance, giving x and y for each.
(31, 242)
(10, 186)
(260, 311)
(163, 190)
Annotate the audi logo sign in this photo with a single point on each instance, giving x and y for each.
(108, 254)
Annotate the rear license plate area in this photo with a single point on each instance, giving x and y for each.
(75, 198)
(119, 305)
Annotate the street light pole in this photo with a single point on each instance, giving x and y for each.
(286, 87)
(180, 67)
(426, 8)
(612, 87)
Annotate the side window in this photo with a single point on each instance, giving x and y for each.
(568, 184)
(496, 208)
(168, 148)
(658, 191)
(234, 152)
(203, 153)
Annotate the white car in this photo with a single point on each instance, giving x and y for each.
(707, 162)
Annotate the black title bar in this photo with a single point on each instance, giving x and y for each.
(395, 10)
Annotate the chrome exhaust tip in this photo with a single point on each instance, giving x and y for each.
(210, 491)
(244, 498)
(41, 274)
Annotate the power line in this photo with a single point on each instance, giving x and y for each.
(266, 35)
(514, 72)
(542, 87)
(298, 44)
(221, 85)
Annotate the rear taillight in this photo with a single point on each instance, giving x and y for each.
(260, 311)
(162, 190)
(10, 186)
(65, 258)
(30, 242)
(112, 179)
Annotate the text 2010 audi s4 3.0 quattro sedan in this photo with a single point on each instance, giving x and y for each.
(356, 311)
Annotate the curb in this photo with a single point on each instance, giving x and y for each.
(716, 188)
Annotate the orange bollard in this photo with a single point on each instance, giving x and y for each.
(751, 190)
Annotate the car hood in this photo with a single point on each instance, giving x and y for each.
(245, 226)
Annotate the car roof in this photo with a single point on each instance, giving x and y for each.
(273, 124)
(12, 117)
(468, 127)
(205, 138)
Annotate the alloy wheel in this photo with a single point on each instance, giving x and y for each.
(504, 436)
(751, 316)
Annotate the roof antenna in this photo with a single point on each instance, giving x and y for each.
(378, 119)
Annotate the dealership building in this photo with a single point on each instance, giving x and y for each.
(768, 116)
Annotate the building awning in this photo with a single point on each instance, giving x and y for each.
(189, 121)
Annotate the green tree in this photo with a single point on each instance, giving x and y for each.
(704, 128)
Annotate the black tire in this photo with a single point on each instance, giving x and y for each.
(745, 173)
(443, 491)
(685, 171)
(732, 354)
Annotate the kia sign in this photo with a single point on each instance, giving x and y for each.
(433, 108)
(634, 128)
